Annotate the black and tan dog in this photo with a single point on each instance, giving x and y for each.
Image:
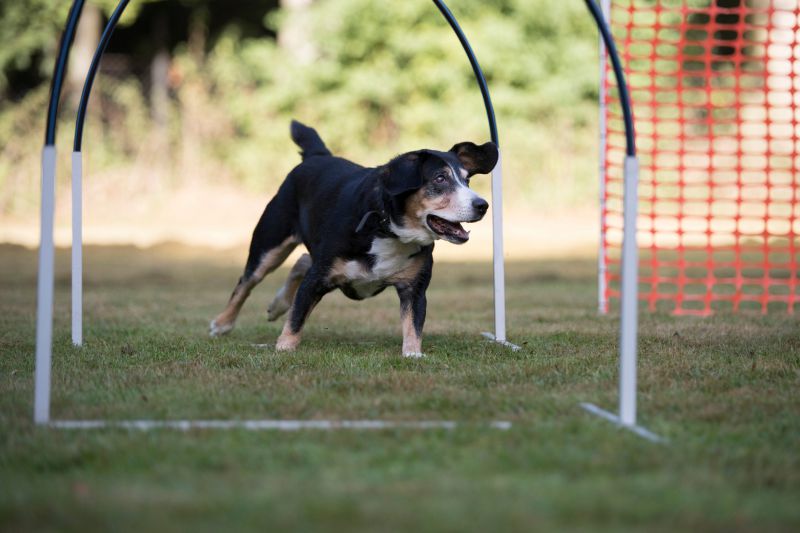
(365, 229)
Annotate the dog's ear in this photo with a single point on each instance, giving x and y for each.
(476, 159)
(403, 173)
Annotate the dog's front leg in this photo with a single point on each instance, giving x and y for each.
(413, 306)
(309, 293)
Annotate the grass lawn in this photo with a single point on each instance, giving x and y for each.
(725, 390)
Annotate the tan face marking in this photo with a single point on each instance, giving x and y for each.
(453, 203)
(418, 203)
(417, 206)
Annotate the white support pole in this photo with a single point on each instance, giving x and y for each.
(614, 419)
(629, 309)
(629, 297)
(77, 249)
(491, 337)
(499, 260)
(602, 302)
(630, 268)
(44, 296)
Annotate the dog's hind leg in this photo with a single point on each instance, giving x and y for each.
(273, 241)
(269, 261)
(283, 300)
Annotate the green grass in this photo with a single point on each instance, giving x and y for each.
(725, 390)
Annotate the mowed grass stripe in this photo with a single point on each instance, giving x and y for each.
(723, 389)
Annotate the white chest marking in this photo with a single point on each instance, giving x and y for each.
(412, 236)
(391, 258)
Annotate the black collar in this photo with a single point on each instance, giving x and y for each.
(380, 199)
(383, 229)
(365, 218)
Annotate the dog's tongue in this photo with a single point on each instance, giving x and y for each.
(449, 229)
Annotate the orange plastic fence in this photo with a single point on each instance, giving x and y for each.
(715, 86)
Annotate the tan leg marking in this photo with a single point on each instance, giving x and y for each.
(410, 273)
(285, 296)
(288, 341)
(271, 260)
(412, 343)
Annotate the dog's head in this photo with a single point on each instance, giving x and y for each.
(431, 195)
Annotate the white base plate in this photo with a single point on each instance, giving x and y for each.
(614, 419)
(261, 425)
(491, 337)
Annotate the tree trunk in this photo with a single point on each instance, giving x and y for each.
(159, 73)
(294, 35)
(87, 37)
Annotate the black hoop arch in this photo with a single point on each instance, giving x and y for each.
(77, 7)
(628, 330)
(59, 70)
(499, 271)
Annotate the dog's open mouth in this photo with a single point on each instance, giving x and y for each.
(449, 231)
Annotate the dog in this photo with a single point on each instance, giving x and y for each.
(365, 229)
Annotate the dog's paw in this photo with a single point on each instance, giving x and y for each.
(278, 307)
(413, 355)
(287, 342)
(217, 330)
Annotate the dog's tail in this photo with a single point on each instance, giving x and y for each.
(308, 140)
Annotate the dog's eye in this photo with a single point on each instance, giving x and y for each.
(439, 179)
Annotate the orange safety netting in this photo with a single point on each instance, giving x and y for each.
(715, 86)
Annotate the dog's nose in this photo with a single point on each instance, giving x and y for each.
(480, 205)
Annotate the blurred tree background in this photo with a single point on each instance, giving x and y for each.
(195, 92)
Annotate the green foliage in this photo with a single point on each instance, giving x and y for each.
(31, 30)
(402, 64)
(387, 77)
(27, 29)
(392, 76)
